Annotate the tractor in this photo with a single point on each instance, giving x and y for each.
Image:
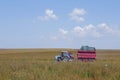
(64, 56)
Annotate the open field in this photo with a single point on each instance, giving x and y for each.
(39, 64)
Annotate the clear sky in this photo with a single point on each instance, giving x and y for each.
(60, 23)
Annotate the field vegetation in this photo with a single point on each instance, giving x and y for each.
(39, 64)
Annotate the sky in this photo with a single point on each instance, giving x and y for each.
(60, 23)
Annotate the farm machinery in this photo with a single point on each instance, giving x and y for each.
(85, 53)
(64, 56)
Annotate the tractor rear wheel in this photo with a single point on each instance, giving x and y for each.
(66, 59)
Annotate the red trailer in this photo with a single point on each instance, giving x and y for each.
(86, 53)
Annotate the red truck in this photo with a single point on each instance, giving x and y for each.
(86, 53)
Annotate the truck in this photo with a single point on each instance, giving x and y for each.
(86, 53)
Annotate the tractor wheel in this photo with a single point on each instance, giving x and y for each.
(59, 59)
(66, 59)
(71, 60)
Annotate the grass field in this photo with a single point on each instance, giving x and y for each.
(39, 64)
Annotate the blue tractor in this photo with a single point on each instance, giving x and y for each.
(64, 56)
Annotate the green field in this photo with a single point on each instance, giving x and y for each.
(39, 64)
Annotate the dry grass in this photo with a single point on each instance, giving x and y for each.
(39, 64)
